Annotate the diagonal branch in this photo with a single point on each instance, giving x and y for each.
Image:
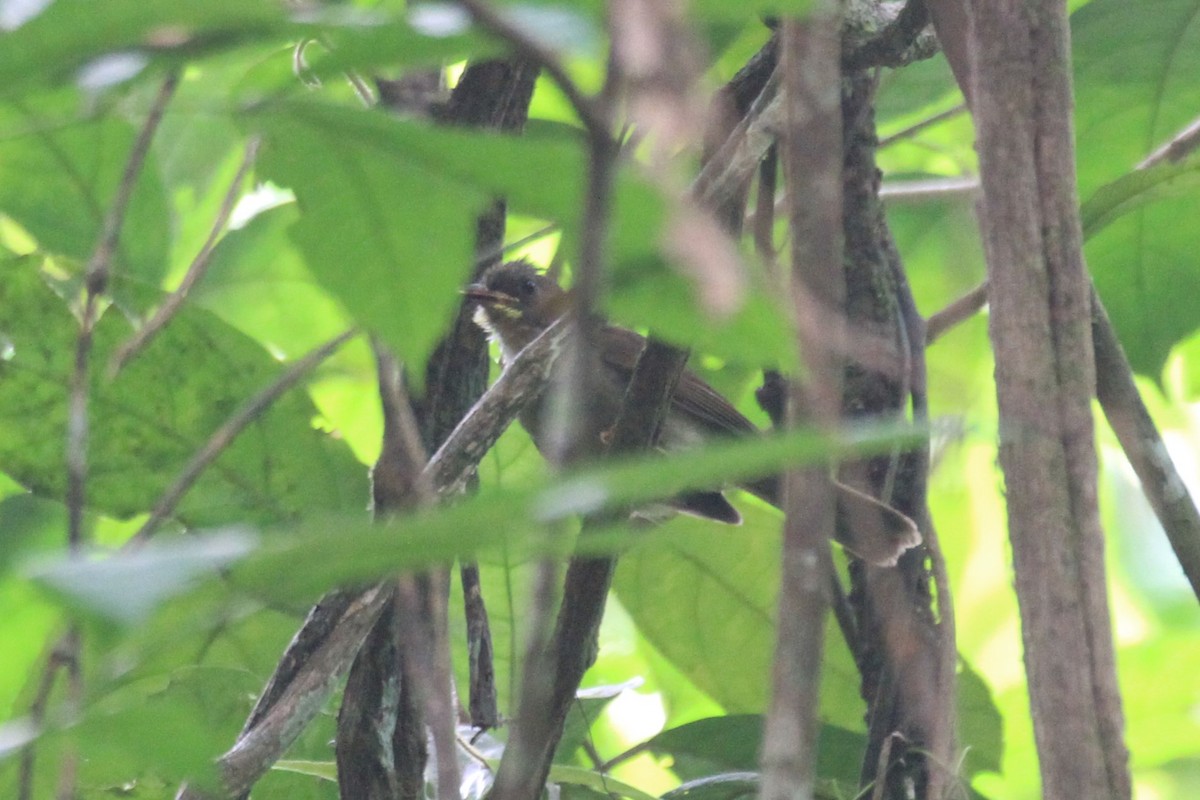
(224, 436)
(196, 271)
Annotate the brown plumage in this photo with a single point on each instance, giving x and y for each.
(516, 303)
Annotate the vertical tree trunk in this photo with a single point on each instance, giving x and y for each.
(1040, 328)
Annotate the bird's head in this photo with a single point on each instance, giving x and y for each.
(516, 303)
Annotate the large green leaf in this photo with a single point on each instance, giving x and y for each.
(705, 596)
(258, 282)
(59, 173)
(301, 561)
(147, 422)
(1135, 89)
(389, 237)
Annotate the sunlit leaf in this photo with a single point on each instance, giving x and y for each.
(156, 414)
(78, 163)
(1135, 90)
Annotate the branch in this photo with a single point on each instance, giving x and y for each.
(262, 745)
(811, 152)
(96, 277)
(525, 377)
(1180, 147)
(97, 273)
(899, 43)
(956, 312)
(196, 271)
(1144, 446)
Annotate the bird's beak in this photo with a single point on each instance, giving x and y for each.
(482, 294)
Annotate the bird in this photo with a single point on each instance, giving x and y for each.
(515, 303)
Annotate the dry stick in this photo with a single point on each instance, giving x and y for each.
(740, 155)
(196, 271)
(61, 655)
(811, 153)
(224, 435)
(958, 311)
(526, 376)
(913, 130)
(96, 277)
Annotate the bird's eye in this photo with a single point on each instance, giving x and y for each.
(528, 287)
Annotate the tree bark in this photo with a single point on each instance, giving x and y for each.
(1041, 333)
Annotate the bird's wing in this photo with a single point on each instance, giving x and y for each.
(693, 396)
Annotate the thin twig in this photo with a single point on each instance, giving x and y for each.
(928, 189)
(913, 130)
(196, 271)
(97, 273)
(1180, 147)
(59, 657)
(224, 436)
(526, 46)
(958, 311)
(96, 277)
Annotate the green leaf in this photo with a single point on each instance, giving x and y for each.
(705, 596)
(301, 561)
(596, 781)
(78, 164)
(725, 786)
(325, 770)
(1135, 90)
(733, 743)
(980, 727)
(1146, 275)
(258, 282)
(154, 416)
(390, 238)
(69, 34)
(1134, 82)
(1137, 189)
(128, 587)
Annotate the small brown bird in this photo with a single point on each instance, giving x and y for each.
(517, 303)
